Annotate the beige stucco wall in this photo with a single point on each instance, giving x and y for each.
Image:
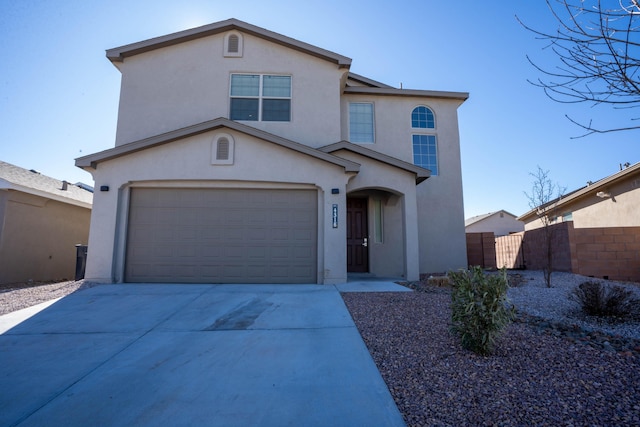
(185, 84)
(38, 237)
(398, 254)
(186, 163)
(620, 210)
(590, 211)
(499, 226)
(442, 243)
(176, 86)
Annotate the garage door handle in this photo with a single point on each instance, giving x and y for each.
(365, 244)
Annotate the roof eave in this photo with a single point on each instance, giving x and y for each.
(118, 54)
(7, 185)
(361, 90)
(91, 161)
(421, 174)
(585, 191)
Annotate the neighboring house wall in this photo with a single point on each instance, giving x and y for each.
(38, 237)
(598, 229)
(621, 209)
(499, 225)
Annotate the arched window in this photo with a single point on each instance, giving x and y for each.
(422, 117)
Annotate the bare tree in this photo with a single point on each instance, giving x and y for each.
(597, 44)
(544, 199)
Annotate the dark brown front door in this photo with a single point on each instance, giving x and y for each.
(357, 236)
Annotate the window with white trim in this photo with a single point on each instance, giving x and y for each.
(361, 122)
(423, 118)
(425, 152)
(260, 97)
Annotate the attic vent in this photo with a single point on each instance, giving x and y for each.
(233, 42)
(222, 150)
(233, 45)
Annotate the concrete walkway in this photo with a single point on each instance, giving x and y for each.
(224, 355)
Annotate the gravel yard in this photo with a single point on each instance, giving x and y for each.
(22, 295)
(553, 366)
(540, 374)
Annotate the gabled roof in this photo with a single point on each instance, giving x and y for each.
(589, 190)
(92, 160)
(478, 218)
(366, 81)
(33, 182)
(118, 54)
(421, 173)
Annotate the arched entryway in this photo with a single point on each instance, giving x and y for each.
(375, 233)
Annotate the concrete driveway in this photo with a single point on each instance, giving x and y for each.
(221, 355)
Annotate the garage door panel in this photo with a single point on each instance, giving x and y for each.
(222, 236)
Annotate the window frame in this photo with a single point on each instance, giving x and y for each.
(373, 123)
(435, 167)
(433, 115)
(260, 97)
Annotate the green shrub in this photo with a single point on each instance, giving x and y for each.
(598, 299)
(479, 308)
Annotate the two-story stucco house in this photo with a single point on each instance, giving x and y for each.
(245, 156)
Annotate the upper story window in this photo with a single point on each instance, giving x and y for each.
(361, 122)
(258, 97)
(422, 117)
(425, 152)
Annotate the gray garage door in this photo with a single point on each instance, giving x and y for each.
(221, 236)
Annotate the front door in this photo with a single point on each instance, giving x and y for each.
(357, 236)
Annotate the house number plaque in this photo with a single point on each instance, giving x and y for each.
(334, 216)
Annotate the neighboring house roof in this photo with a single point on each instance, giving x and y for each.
(32, 182)
(421, 173)
(478, 218)
(92, 160)
(118, 54)
(585, 191)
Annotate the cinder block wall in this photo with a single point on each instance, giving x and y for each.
(535, 255)
(612, 252)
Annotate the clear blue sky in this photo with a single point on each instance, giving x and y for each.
(59, 93)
